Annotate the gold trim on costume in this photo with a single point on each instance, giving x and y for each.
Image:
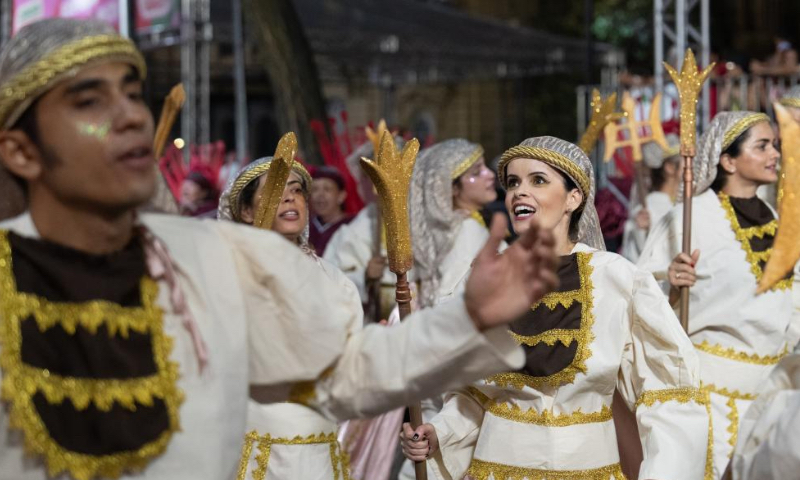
(733, 427)
(711, 388)
(482, 470)
(740, 127)
(681, 395)
(743, 235)
(339, 460)
(37, 77)
(738, 356)
(476, 215)
(462, 167)
(583, 335)
(547, 418)
(550, 157)
(709, 473)
(303, 393)
(20, 381)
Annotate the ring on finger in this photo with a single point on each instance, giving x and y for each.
(677, 275)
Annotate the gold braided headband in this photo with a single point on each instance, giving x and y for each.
(790, 102)
(462, 167)
(20, 91)
(554, 159)
(672, 152)
(244, 179)
(740, 127)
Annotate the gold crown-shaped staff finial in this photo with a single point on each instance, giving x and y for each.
(786, 249)
(602, 113)
(689, 82)
(375, 136)
(635, 138)
(391, 175)
(278, 173)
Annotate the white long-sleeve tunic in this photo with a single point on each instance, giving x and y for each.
(739, 336)
(270, 321)
(607, 328)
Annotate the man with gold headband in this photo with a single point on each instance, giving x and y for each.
(607, 326)
(739, 336)
(128, 341)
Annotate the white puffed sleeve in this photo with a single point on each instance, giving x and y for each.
(659, 379)
(457, 427)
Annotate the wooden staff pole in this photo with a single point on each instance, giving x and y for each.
(688, 187)
(689, 82)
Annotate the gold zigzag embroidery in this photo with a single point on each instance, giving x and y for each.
(339, 460)
(20, 381)
(482, 470)
(681, 395)
(738, 356)
(583, 335)
(743, 235)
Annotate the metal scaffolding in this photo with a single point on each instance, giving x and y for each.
(680, 13)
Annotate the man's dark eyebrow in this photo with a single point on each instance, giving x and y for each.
(84, 85)
(131, 77)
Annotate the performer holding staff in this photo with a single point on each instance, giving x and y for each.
(739, 336)
(607, 326)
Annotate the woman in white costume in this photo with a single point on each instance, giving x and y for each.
(666, 171)
(450, 185)
(607, 326)
(288, 440)
(351, 248)
(739, 336)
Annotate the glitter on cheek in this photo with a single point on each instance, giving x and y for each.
(471, 179)
(98, 131)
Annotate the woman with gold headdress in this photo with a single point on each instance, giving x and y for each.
(666, 171)
(299, 441)
(449, 186)
(739, 336)
(607, 326)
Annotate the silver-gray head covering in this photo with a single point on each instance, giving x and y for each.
(42, 55)
(720, 134)
(434, 223)
(654, 156)
(573, 162)
(230, 200)
(792, 97)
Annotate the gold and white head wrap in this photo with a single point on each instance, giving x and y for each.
(654, 156)
(230, 202)
(40, 56)
(720, 134)
(569, 159)
(47, 52)
(434, 223)
(792, 97)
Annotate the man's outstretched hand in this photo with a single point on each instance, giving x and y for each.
(502, 287)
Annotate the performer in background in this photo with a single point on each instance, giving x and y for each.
(302, 443)
(666, 173)
(607, 326)
(128, 341)
(353, 247)
(327, 196)
(739, 336)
